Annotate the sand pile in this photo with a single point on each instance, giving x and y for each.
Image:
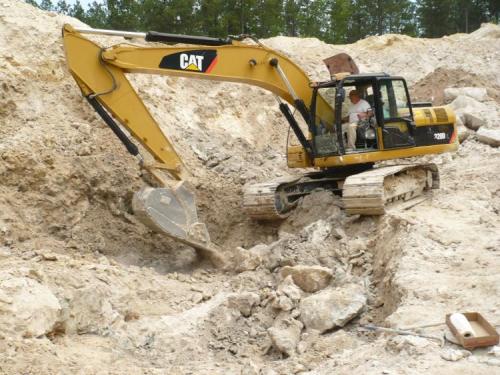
(85, 288)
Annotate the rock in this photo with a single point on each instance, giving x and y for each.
(89, 310)
(285, 334)
(309, 278)
(28, 308)
(5, 252)
(339, 233)
(47, 255)
(412, 345)
(477, 93)
(332, 308)
(283, 303)
(288, 288)
(473, 122)
(494, 351)
(250, 368)
(270, 256)
(454, 354)
(268, 371)
(467, 104)
(462, 131)
(243, 302)
(489, 136)
(245, 260)
(318, 231)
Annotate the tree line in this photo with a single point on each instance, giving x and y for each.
(334, 21)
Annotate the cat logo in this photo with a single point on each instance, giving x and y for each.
(201, 61)
(191, 62)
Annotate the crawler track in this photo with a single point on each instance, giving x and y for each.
(265, 201)
(369, 193)
(363, 193)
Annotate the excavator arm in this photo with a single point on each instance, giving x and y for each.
(101, 75)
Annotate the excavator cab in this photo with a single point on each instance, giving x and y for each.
(389, 124)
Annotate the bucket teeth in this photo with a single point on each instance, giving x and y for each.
(172, 211)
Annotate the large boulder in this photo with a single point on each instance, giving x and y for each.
(332, 308)
(309, 278)
(489, 136)
(27, 308)
(477, 93)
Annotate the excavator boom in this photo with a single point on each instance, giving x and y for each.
(101, 75)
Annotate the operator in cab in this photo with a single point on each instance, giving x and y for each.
(359, 110)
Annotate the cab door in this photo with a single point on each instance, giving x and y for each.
(394, 113)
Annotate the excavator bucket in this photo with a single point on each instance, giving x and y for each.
(172, 211)
(341, 63)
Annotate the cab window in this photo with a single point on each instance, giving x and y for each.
(395, 103)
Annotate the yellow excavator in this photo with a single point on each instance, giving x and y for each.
(394, 128)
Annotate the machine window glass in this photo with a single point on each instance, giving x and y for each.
(326, 125)
(325, 139)
(395, 103)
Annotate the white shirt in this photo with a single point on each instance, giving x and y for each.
(360, 107)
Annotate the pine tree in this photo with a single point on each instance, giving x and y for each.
(47, 5)
(77, 11)
(62, 7)
(340, 13)
(436, 17)
(96, 15)
(124, 15)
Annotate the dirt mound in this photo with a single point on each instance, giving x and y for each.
(86, 288)
(431, 87)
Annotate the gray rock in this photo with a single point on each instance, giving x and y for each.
(285, 334)
(477, 93)
(489, 136)
(243, 302)
(332, 308)
(472, 121)
(309, 278)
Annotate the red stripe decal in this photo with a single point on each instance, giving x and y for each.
(453, 136)
(211, 66)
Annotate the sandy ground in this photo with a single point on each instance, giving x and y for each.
(87, 289)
